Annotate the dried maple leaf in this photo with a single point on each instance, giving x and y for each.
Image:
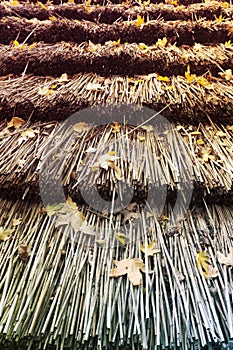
(30, 133)
(141, 138)
(226, 259)
(139, 21)
(122, 238)
(132, 267)
(116, 127)
(204, 265)
(53, 209)
(24, 252)
(5, 234)
(106, 161)
(15, 122)
(227, 74)
(81, 127)
(150, 250)
(162, 42)
(16, 222)
(70, 215)
(161, 78)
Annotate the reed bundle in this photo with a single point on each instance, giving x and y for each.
(111, 13)
(60, 295)
(52, 31)
(115, 59)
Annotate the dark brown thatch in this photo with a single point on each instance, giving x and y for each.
(180, 32)
(115, 59)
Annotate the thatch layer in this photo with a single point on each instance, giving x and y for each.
(59, 295)
(209, 149)
(51, 31)
(114, 58)
(111, 13)
(46, 98)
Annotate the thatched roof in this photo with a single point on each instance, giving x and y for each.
(57, 289)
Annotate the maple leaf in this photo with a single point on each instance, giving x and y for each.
(81, 127)
(16, 222)
(139, 21)
(24, 252)
(53, 209)
(122, 238)
(190, 77)
(5, 234)
(227, 74)
(30, 133)
(202, 81)
(132, 267)
(52, 18)
(150, 250)
(228, 43)
(14, 3)
(70, 215)
(42, 5)
(161, 78)
(16, 122)
(143, 47)
(141, 138)
(116, 43)
(226, 260)
(63, 78)
(106, 161)
(204, 265)
(162, 42)
(116, 127)
(45, 91)
(18, 45)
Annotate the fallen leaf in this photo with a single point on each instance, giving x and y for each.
(116, 43)
(81, 127)
(63, 78)
(226, 259)
(227, 74)
(118, 173)
(162, 42)
(41, 5)
(143, 47)
(161, 78)
(16, 122)
(139, 21)
(52, 18)
(122, 238)
(16, 222)
(70, 215)
(202, 81)
(190, 77)
(14, 3)
(87, 229)
(150, 250)
(24, 252)
(105, 161)
(94, 87)
(200, 142)
(116, 127)
(5, 234)
(53, 209)
(228, 43)
(148, 128)
(141, 138)
(204, 265)
(132, 267)
(32, 46)
(45, 91)
(30, 133)
(18, 45)
(91, 150)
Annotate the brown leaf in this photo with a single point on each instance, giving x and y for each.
(24, 252)
(116, 127)
(16, 123)
(5, 234)
(132, 267)
(226, 260)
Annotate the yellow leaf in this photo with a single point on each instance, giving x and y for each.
(150, 250)
(200, 142)
(166, 79)
(118, 173)
(194, 133)
(14, 3)
(45, 91)
(18, 45)
(87, 7)
(219, 19)
(42, 5)
(221, 133)
(162, 42)
(115, 127)
(5, 234)
(132, 267)
(52, 18)
(204, 265)
(81, 127)
(202, 81)
(121, 238)
(143, 47)
(139, 21)
(16, 122)
(148, 128)
(141, 138)
(32, 46)
(228, 43)
(116, 43)
(226, 260)
(53, 209)
(227, 74)
(16, 222)
(190, 77)
(28, 133)
(71, 1)
(105, 161)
